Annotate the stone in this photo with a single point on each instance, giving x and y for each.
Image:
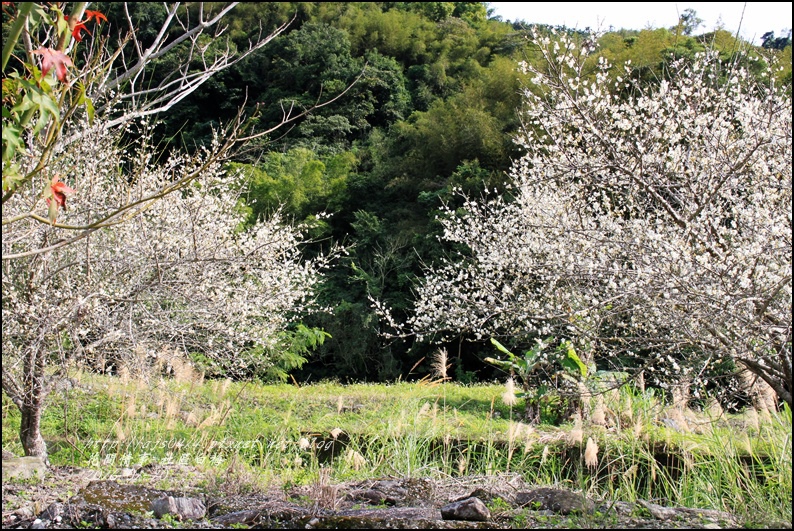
(181, 508)
(658, 511)
(558, 501)
(371, 496)
(471, 509)
(52, 512)
(24, 468)
(485, 495)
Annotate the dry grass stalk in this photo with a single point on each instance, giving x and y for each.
(637, 431)
(340, 404)
(677, 415)
(584, 397)
(591, 453)
(440, 364)
(354, 459)
(681, 394)
(545, 455)
(509, 396)
(325, 493)
(513, 432)
(121, 433)
(463, 464)
(528, 446)
(190, 419)
(763, 396)
(576, 434)
(130, 409)
(124, 374)
(182, 368)
(220, 387)
(627, 416)
(598, 416)
(714, 409)
(172, 404)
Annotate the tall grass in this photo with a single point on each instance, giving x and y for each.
(635, 446)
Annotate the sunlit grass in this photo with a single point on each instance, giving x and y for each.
(640, 447)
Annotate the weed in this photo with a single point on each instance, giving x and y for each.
(499, 506)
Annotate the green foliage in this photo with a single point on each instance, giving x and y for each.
(524, 366)
(571, 361)
(292, 348)
(298, 182)
(538, 393)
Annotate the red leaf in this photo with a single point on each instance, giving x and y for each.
(80, 26)
(95, 14)
(58, 190)
(53, 58)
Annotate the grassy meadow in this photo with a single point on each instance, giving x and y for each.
(630, 445)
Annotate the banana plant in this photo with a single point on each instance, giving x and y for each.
(523, 367)
(571, 361)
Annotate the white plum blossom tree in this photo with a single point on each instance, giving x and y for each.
(183, 272)
(109, 247)
(650, 220)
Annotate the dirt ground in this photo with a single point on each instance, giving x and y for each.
(71, 497)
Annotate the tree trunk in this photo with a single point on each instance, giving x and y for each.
(531, 412)
(30, 432)
(32, 405)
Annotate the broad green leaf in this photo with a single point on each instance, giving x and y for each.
(571, 361)
(502, 348)
(501, 363)
(85, 100)
(12, 141)
(11, 176)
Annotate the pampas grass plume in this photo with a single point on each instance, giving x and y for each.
(591, 453)
(440, 364)
(509, 396)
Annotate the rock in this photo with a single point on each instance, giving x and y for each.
(53, 512)
(181, 508)
(657, 511)
(472, 509)
(24, 468)
(485, 495)
(396, 492)
(371, 496)
(618, 507)
(558, 501)
(24, 512)
(38, 523)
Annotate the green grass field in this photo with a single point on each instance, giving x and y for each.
(629, 446)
